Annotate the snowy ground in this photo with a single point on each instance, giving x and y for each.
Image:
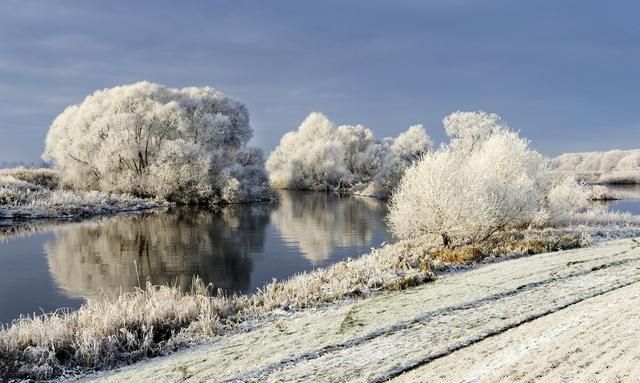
(568, 316)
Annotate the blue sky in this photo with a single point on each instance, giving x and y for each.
(564, 73)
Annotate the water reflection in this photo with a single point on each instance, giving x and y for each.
(627, 199)
(631, 192)
(237, 248)
(318, 223)
(167, 247)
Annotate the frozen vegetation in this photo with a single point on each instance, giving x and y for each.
(346, 158)
(183, 145)
(108, 331)
(37, 193)
(483, 195)
(138, 146)
(554, 317)
(485, 180)
(613, 167)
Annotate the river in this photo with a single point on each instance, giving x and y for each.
(236, 248)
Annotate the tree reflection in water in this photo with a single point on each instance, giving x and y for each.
(319, 222)
(222, 247)
(87, 259)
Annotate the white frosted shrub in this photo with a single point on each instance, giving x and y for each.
(425, 202)
(462, 196)
(567, 198)
(323, 156)
(485, 180)
(150, 140)
(398, 154)
(355, 141)
(308, 158)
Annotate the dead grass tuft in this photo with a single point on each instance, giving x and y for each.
(459, 255)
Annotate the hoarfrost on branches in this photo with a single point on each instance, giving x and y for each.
(185, 145)
(323, 156)
(485, 180)
(612, 167)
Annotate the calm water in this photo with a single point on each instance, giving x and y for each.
(237, 248)
(630, 201)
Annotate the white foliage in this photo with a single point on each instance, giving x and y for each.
(356, 140)
(616, 166)
(323, 156)
(567, 198)
(310, 158)
(150, 140)
(485, 180)
(468, 129)
(409, 146)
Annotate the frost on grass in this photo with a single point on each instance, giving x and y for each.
(183, 145)
(108, 331)
(323, 156)
(158, 319)
(612, 167)
(36, 193)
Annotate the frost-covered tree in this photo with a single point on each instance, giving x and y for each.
(469, 129)
(323, 156)
(485, 180)
(409, 146)
(187, 145)
(310, 158)
(616, 166)
(355, 141)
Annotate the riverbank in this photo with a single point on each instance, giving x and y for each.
(36, 194)
(108, 332)
(535, 317)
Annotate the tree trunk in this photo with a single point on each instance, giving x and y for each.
(446, 241)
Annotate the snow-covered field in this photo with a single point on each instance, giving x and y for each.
(35, 193)
(568, 316)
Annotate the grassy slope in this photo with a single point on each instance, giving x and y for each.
(503, 318)
(160, 319)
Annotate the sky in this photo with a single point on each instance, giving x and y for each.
(563, 73)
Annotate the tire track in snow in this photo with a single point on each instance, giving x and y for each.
(419, 363)
(285, 364)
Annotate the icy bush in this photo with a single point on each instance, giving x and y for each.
(185, 145)
(469, 129)
(485, 180)
(323, 156)
(565, 199)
